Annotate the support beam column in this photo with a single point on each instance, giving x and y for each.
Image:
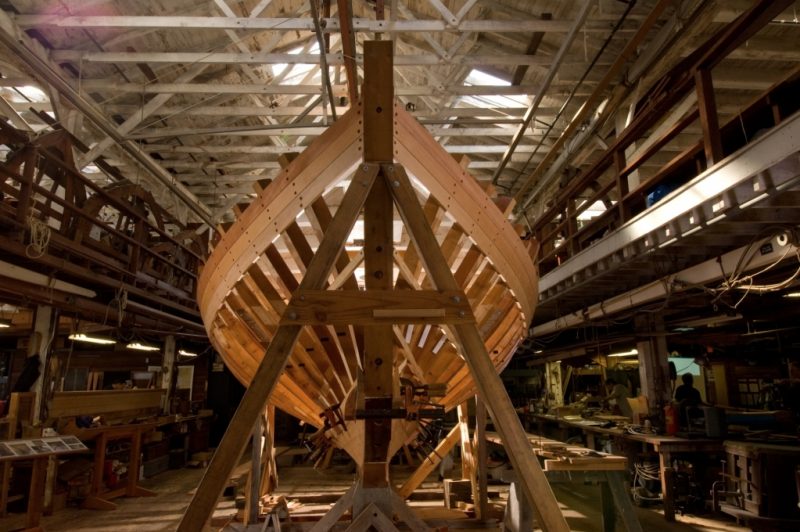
(39, 347)
(653, 366)
(167, 371)
(481, 451)
(707, 105)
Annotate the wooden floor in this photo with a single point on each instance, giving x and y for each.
(316, 490)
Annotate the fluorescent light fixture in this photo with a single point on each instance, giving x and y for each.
(683, 329)
(80, 337)
(186, 353)
(5, 323)
(631, 353)
(792, 294)
(142, 347)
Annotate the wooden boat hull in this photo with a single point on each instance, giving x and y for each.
(249, 278)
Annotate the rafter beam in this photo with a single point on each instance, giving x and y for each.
(277, 131)
(138, 117)
(339, 90)
(334, 58)
(345, 8)
(276, 150)
(295, 24)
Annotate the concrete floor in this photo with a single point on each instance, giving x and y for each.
(163, 512)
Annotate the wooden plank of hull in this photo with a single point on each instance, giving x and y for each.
(458, 191)
(326, 161)
(246, 350)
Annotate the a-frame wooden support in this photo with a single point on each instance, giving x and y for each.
(277, 353)
(373, 494)
(472, 348)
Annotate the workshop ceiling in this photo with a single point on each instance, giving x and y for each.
(198, 100)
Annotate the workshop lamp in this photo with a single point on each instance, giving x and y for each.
(80, 337)
(631, 353)
(142, 347)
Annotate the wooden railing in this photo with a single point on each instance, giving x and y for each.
(111, 239)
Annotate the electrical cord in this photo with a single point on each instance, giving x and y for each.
(643, 473)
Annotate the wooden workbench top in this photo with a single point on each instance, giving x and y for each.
(560, 456)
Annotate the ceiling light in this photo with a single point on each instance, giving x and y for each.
(631, 353)
(5, 323)
(80, 337)
(142, 347)
(186, 353)
(792, 294)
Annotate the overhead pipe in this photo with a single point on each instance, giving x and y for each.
(594, 99)
(699, 275)
(645, 60)
(323, 60)
(707, 56)
(551, 74)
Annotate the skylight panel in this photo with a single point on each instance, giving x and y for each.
(479, 78)
(33, 94)
(296, 73)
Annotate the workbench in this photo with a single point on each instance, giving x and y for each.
(664, 446)
(564, 463)
(37, 451)
(99, 497)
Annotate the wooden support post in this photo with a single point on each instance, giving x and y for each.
(607, 506)
(253, 491)
(490, 387)
(277, 353)
(269, 475)
(706, 103)
(39, 346)
(622, 501)
(467, 452)
(378, 100)
(36, 493)
(555, 389)
(378, 339)
(430, 462)
(348, 47)
(482, 455)
(653, 366)
(167, 369)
